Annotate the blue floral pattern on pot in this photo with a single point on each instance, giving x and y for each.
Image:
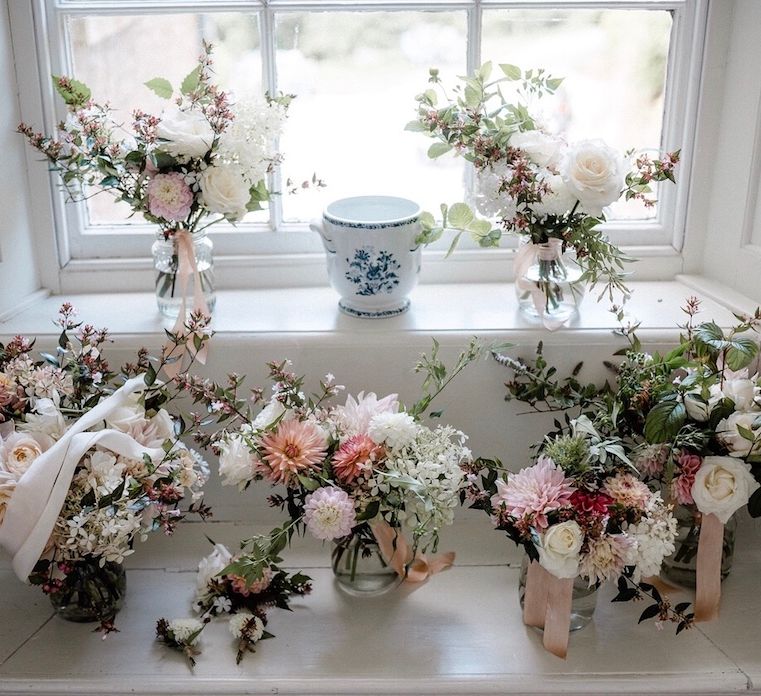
(373, 273)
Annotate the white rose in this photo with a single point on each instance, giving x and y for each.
(269, 414)
(236, 463)
(225, 190)
(186, 133)
(728, 434)
(558, 201)
(18, 452)
(741, 391)
(127, 417)
(46, 423)
(594, 173)
(542, 149)
(210, 566)
(561, 545)
(722, 486)
(153, 432)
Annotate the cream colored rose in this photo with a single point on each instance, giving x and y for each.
(225, 190)
(561, 545)
(186, 133)
(541, 148)
(270, 413)
(594, 173)
(236, 463)
(46, 423)
(722, 486)
(729, 435)
(558, 201)
(152, 432)
(742, 391)
(17, 454)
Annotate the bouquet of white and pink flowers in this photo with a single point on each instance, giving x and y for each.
(584, 518)
(366, 475)
(551, 193)
(90, 461)
(203, 160)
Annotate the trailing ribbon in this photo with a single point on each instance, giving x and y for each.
(524, 258)
(411, 567)
(708, 580)
(187, 266)
(547, 605)
(40, 493)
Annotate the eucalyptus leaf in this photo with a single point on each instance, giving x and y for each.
(160, 86)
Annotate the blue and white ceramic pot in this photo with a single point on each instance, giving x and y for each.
(373, 259)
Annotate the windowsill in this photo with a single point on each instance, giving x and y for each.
(459, 634)
(312, 313)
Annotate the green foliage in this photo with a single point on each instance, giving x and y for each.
(160, 87)
(73, 92)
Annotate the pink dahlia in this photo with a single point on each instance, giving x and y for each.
(329, 513)
(355, 416)
(606, 557)
(681, 485)
(533, 492)
(354, 456)
(627, 490)
(240, 587)
(652, 460)
(169, 197)
(294, 447)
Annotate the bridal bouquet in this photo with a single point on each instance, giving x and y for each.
(581, 513)
(203, 160)
(366, 475)
(551, 193)
(90, 462)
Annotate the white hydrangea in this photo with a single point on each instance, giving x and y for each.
(395, 430)
(428, 472)
(654, 535)
(239, 622)
(490, 201)
(183, 629)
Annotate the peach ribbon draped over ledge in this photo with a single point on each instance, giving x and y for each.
(411, 567)
(547, 605)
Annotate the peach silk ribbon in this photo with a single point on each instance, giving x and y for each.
(708, 580)
(411, 567)
(524, 257)
(547, 605)
(186, 267)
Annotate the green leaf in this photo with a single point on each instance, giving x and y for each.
(479, 228)
(711, 334)
(460, 216)
(754, 504)
(416, 127)
(512, 72)
(650, 613)
(438, 149)
(161, 87)
(664, 421)
(484, 72)
(553, 83)
(307, 483)
(741, 353)
(75, 94)
(190, 83)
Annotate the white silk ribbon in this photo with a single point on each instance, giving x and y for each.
(40, 493)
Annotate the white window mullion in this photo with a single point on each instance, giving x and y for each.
(473, 62)
(269, 80)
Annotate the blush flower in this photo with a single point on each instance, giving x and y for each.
(240, 586)
(329, 513)
(534, 492)
(681, 485)
(627, 490)
(355, 415)
(294, 447)
(606, 557)
(169, 197)
(652, 460)
(354, 456)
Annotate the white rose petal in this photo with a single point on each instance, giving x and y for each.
(187, 133)
(561, 546)
(558, 201)
(210, 566)
(729, 435)
(236, 463)
(225, 190)
(594, 173)
(541, 148)
(269, 414)
(722, 486)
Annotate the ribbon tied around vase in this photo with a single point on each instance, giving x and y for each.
(187, 266)
(40, 493)
(708, 571)
(525, 257)
(412, 567)
(547, 605)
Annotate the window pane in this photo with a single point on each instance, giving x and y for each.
(614, 62)
(356, 75)
(114, 55)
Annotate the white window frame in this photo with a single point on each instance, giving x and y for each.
(38, 28)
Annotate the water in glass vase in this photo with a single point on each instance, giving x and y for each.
(359, 568)
(90, 592)
(583, 600)
(169, 292)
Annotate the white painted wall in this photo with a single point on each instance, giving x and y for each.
(18, 269)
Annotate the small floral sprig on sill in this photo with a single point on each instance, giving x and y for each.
(182, 635)
(530, 182)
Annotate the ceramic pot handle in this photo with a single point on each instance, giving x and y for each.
(317, 226)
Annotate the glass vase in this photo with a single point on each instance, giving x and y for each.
(90, 592)
(583, 600)
(169, 290)
(359, 567)
(681, 566)
(547, 282)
